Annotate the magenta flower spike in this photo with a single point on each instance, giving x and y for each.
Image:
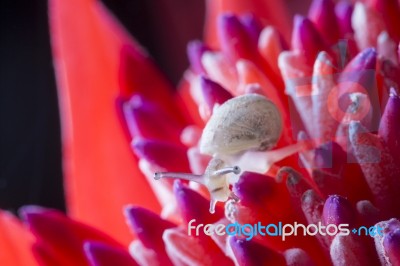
(194, 206)
(343, 11)
(195, 51)
(156, 153)
(55, 232)
(380, 170)
(138, 112)
(235, 40)
(100, 254)
(391, 244)
(390, 127)
(322, 14)
(388, 244)
(149, 229)
(365, 60)
(255, 189)
(213, 94)
(252, 25)
(337, 210)
(306, 39)
(251, 253)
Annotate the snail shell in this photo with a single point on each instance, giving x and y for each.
(247, 122)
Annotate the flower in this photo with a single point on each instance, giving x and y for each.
(335, 89)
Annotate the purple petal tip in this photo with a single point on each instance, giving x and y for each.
(195, 51)
(391, 244)
(193, 205)
(366, 59)
(338, 210)
(99, 254)
(253, 188)
(147, 225)
(213, 93)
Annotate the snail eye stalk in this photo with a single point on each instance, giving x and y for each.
(197, 178)
(228, 170)
(184, 176)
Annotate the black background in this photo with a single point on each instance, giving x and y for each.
(30, 153)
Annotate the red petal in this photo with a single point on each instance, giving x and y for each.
(101, 174)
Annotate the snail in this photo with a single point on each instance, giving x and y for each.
(240, 132)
